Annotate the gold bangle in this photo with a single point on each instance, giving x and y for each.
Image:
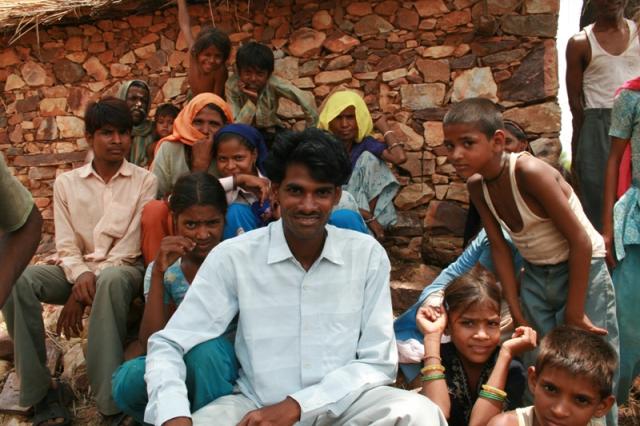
(494, 390)
(432, 367)
(432, 357)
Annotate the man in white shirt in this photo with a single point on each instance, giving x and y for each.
(315, 335)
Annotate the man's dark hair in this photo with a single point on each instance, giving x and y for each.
(255, 55)
(167, 110)
(108, 111)
(479, 112)
(324, 156)
(212, 37)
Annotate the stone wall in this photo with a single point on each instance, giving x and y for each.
(409, 59)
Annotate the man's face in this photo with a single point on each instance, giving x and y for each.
(138, 99)
(564, 399)
(305, 203)
(344, 126)
(254, 79)
(609, 8)
(109, 144)
(470, 150)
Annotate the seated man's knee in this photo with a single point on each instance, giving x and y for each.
(113, 281)
(415, 406)
(215, 351)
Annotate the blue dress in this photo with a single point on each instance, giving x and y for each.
(625, 124)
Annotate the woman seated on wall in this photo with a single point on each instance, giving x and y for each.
(189, 149)
(372, 183)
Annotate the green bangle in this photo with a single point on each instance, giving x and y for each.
(431, 377)
(488, 395)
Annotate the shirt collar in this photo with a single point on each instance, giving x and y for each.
(126, 169)
(279, 249)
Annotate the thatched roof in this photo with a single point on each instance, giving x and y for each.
(17, 17)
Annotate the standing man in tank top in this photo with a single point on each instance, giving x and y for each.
(599, 60)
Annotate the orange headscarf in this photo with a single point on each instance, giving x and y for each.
(183, 131)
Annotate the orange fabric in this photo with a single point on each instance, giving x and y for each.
(156, 224)
(183, 131)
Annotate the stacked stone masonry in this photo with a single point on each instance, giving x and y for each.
(408, 59)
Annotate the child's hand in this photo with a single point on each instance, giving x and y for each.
(431, 320)
(523, 340)
(251, 94)
(202, 154)
(260, 187)
(171, 249)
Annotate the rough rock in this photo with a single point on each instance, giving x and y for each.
(173, 87)
(407, 19)
(95, 69)
(287, 68)
(412, 140)
(360, 8)
(145, 52)
(542, 25)
(476, 82)
(119, 70)
(332, 77)
(445, 217)
(458, 192)
(67, 71)
(547, 149)
(8, 58)
(434, 70)
(438, 51)
(342, 61)
(53, 106)
(414, 195)
(306, 42)
(386, 8)
(48, 130)
(421, 96)
(70, 127)
(429, 8)
(13, 82)
(433, 133)
(542, 6)
(440, 250)
(340, 43)
(532, 80)
(322, 20)
(539, 118)
(33, 74)
(372, 25)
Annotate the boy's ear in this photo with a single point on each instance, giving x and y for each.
(274, 190)
(498, 139)
(338, 195)
(89, 138)
(604, 406)
(532, 379)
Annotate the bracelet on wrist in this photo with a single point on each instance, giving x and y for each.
(371, 219)
(426, 357)
(393, 145)
(430, 377)
(494, 391)
(491, 396)
(432, 367)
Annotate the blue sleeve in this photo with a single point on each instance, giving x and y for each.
(373, 146)
(623, 115)
(147, 285)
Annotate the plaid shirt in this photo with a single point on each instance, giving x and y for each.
(263, 115)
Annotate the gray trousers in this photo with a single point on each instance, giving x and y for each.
(380, 406)
(592, 154)
(115, 289)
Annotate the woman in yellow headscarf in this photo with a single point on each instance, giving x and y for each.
(372, 183)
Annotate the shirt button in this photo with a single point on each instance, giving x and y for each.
(306, 365)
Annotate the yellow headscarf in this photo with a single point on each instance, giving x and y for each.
(338, 102)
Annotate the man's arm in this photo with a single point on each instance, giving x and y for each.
(243, 111)
(576, 55)
(69, 254)
(544, 185)
(375, 363)
(500, 252)
(127, 249)
(291, 92)
(16, 250)
(204, 314)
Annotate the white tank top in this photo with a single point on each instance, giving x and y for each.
(525, 417)
(539, 241)
(606, 72)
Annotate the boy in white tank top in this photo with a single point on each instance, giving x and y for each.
(572, 382)
(599, 60)
(565, 278)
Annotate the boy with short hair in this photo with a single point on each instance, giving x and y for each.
(208, 54)
(254, 91)
(565, 276)
(97, 219)
(572, 381)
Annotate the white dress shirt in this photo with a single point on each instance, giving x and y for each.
(321, 336)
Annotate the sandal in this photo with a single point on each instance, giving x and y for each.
(52, 410)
